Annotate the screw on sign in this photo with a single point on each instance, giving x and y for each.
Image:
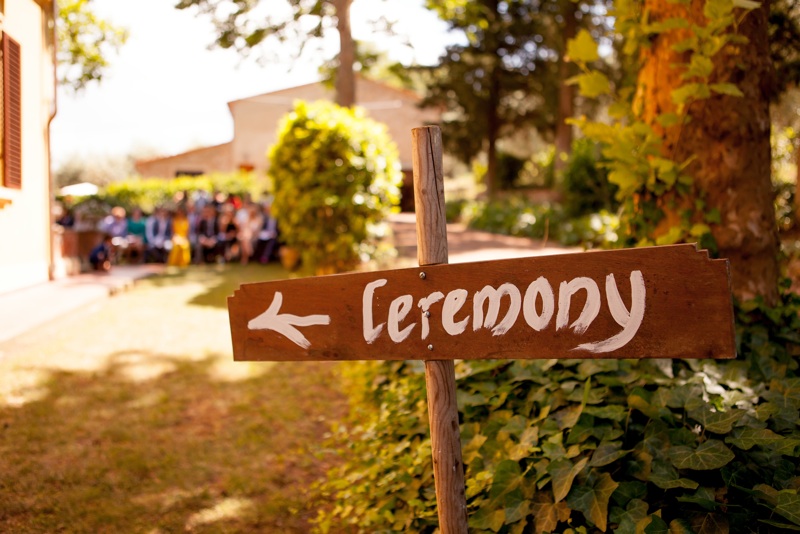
(656, 302)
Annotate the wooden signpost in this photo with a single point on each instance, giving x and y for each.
(657, 302)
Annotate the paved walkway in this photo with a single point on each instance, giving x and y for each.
(25, 309)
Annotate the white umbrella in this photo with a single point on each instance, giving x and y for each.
(83, 189)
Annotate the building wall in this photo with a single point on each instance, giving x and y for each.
(25, 213)
(256, 119)
(201, 161)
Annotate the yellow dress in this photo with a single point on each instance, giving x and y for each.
(181, 254)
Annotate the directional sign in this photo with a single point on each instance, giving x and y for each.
(658, 302)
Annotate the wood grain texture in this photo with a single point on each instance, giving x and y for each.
(440, 375)
(688, 311)
(429, 195)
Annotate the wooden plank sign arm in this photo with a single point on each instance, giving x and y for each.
(440, 375)
(650, 302)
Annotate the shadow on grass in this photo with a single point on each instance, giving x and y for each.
(162, 444)
(220, 281)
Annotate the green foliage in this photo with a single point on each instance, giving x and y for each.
(584, 184)
(149, 193)
(591, 445)
(84, 43)
(336, 175)
(517, 217)
(650, 183)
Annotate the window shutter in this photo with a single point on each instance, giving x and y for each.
(12, 111)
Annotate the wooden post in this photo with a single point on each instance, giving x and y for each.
(440, 378)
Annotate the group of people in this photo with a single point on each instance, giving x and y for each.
(210, 232)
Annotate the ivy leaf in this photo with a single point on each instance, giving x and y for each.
(700, 66)
(782, 526)
(507, 476)
(627, 520)
(679, 526)
(591, 84)
(747, 438)
(789, 506)
(694, 91)
(517, 511)
(484, 519)
(582, 48)
(656, 526)
(563, 472)
(666, 477)
(726, 89)
(546, 514)
(746, 4)
(717, 422)
(672, 236)
(614, 412)
(607, 453)
(592, 499)
(710, 524)
(712, 454)
(669, 119)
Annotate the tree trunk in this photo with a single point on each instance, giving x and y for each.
(345, 77)
(566, 92)
(493, 130)
(728, 136)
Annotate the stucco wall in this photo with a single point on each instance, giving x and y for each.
(25, 215)
(203, 160)
(256, 119)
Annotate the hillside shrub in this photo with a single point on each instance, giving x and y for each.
(623, 446)
(336, 174)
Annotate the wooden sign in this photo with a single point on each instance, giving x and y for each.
(657, 302)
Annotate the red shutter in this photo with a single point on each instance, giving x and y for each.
(12, 109)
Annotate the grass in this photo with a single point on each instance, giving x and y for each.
(130, 416)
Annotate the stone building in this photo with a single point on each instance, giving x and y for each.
(255, 128)
(27, 64)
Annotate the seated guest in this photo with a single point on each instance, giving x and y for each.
(267, 238)
(158, 230)
(100, 256)
(207, 232)
(136, 236)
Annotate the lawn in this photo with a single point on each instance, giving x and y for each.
(130, 416)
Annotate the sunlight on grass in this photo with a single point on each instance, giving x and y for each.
(225, 509)
(131, 416)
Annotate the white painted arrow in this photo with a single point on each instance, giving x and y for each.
(285, 324)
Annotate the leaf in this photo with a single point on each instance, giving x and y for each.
(517, 511)
(712, 454)
(669, 119)
(592, 84)
(563, 472)
(726, 89)
(582, 48)
(627, 520)
(614, 412)
(507, 477)
(746, 4)
(700, 66)
(656, 526)
(607, 453)
(710, 523)
(592, 499)
(747, 438)
(666, 477)
(789, 506)
(694, 91)
(717, 422)
(484, 519)
(546, 514)
(672, 236)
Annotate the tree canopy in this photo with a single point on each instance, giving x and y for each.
(85, 42)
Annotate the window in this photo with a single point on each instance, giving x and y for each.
(12, 113)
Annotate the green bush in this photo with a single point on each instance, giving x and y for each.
(589, 445)
(335, 174)
(149, 193)
(585, 185)
(517, 217)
